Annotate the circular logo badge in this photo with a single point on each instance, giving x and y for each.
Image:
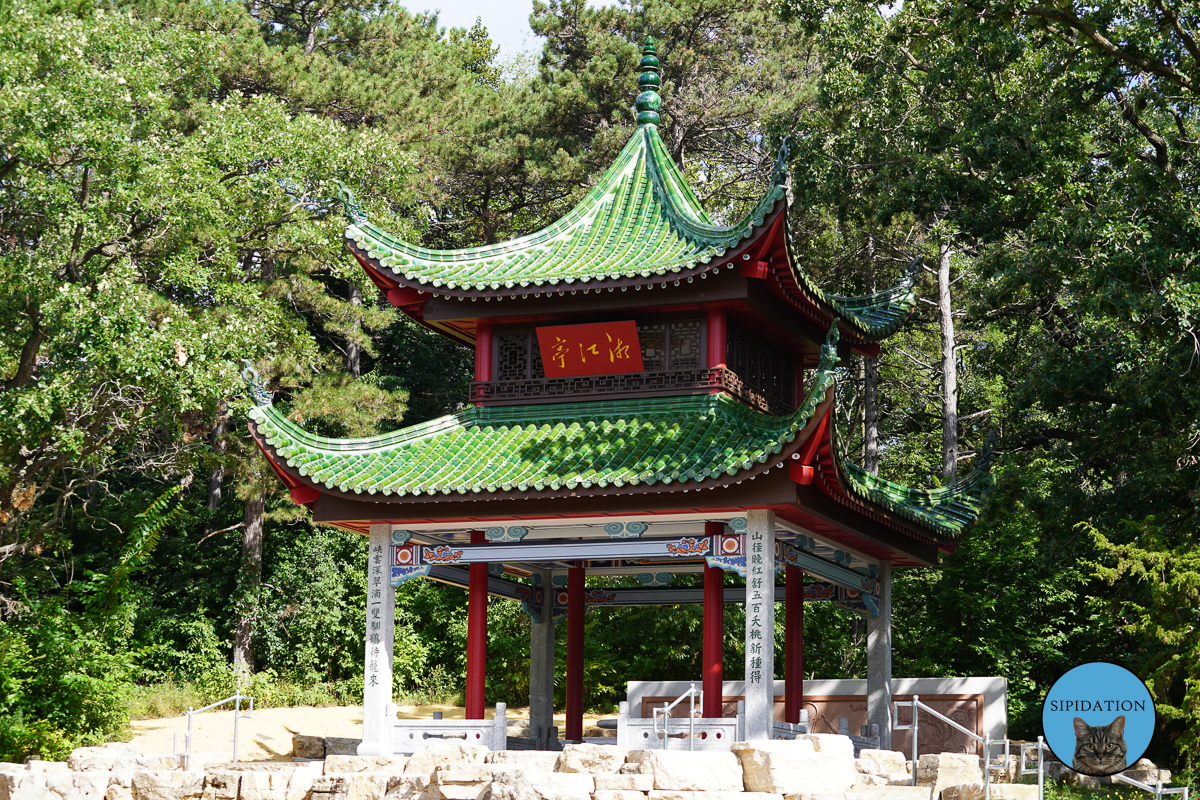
(1098, 718)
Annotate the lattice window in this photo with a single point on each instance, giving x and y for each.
(653, 338)
(512, 351)
(766, 374)
(685, 345)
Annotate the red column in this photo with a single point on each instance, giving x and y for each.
(793, 644)
(575, 610)
(476, 634)
(714, 631)
(716, 337)
(483, 351)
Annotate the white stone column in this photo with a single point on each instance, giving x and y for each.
(541, 665)
(879, 661)
(760, 624)
(378, 711)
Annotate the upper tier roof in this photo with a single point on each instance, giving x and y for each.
(640, 220)
(640, 224)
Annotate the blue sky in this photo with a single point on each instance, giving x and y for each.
(506, 20)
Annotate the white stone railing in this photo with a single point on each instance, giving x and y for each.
(416, 734)
(665, 733)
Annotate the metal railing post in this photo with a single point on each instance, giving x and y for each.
(237, 709)
(1041, 772)
(915, 703)
(187, 758)
(692, 717)
(987, 766)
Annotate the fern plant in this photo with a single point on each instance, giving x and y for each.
(105, 590)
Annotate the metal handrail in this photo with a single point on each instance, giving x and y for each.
(237, 698)
(985, 740)
(691, 693)
(1157, 790)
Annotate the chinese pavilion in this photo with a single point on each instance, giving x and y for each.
(653, 396)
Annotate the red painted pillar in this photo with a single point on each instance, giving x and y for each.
(575, 610)
(793, 644)
(714, 631)
(716, 337)
(483, 351)
(476, 634)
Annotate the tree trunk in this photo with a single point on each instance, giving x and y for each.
(251, 579)
(871, 384)
(949, 367)
(217, 443)
(353, 360)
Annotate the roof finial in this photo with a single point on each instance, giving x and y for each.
(648, 100)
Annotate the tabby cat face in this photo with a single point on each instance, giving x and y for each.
(1099, 749)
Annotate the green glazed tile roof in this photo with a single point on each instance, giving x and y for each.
(950, 510)
(531, 448)
(641, 219)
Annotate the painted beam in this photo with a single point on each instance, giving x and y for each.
(688, 548)
(827, 570)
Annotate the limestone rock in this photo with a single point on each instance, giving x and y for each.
(37, 765)
(1147, 772)
(390, 764)
(624, 783)
(441, 754)
(53, 785)
(893, 792)
(594, 758)
(795, 766)
(411, 787)
(681, 770)
(222, 784)
(341, 746)
(12, 766)
(881, 762)
(527, 784)
(350, 786)
(117, 792)
(90, 759)
(279, 784)
(677, 795)
(540, 760)
(167, 785)
(940, 770)
(618, 794)
(869, 780)
(830, 743)
(308, 746)
(635, 768)
(998, 791)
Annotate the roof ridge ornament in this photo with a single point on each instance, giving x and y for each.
(350, 205)
(649, 80)
(829, 349)
(779, 177)
(987, 455)
(258, 389)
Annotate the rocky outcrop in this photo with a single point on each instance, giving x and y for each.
(708, 771)
(796, 766)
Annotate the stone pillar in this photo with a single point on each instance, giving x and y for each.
(541, 666)
(879, 660)
(378, 712)
(760, 623)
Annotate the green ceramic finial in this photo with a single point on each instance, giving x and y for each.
(648, 101)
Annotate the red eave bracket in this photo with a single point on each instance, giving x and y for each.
(407, 298)
(800, 468)
(753, 269)
(801, 473)
(303, 495)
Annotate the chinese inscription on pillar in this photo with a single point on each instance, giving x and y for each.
(375, 608)
(757, 632)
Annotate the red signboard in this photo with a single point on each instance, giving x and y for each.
(598, 348)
